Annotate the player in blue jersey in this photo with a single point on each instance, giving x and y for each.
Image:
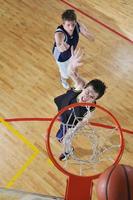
(82, 92)
(66, 36)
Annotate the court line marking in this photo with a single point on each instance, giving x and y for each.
(50, 119)
(25, 141)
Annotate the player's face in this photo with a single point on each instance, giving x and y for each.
(88, 95)
(69, 26)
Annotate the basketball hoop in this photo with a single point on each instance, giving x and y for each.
(79, 186)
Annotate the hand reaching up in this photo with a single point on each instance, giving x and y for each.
(63, 47)
(77, 58)
(75, 62)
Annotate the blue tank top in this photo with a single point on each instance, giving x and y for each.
(71, 40)
(66, 99)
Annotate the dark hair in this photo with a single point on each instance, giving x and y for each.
(69, 15)
(98, 86)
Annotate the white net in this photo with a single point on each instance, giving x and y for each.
(87, 148)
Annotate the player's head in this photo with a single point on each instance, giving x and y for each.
(93, 90)
(69, 20)
(98, 86)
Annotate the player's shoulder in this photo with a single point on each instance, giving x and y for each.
(73, 89)
(59, 32)
(59, 28)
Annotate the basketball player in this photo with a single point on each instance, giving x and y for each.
(67, 35)
(82, 92)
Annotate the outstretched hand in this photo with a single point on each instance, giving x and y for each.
(63, 47)
(76, 58)
(75, 62)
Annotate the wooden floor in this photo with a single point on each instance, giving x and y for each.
(29, 80)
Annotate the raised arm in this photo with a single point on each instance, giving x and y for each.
(86, 33)
(75, 62)
(59, 39)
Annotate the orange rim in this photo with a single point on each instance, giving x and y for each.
(122, 144)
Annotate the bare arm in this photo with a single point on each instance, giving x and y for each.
(59, 39)
(75, 62)
(85, 32)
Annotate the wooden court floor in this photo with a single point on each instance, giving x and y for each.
(29, 80)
